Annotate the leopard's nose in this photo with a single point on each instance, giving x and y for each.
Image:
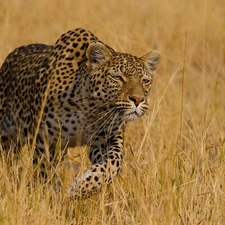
(136, 100)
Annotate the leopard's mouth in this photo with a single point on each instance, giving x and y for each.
(128, 114)
(131, 116)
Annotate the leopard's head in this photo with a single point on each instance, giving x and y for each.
(121, 80)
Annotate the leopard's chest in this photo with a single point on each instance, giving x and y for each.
(80, 127)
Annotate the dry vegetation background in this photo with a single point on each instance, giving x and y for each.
(174, 168)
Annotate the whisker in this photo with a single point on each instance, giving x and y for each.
(112, 123)
(105, 113)
(91, 109)
(95, 109)
(101, 128)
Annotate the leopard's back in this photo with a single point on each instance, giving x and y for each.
(17, 80)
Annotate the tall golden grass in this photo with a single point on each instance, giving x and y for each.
(174, 166)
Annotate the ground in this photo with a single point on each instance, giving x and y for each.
(173, 171)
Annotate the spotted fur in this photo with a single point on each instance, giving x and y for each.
(77, 92)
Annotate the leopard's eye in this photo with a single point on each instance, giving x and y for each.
(120, 78)
(146, 81)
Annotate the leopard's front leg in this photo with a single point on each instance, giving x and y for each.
(107, 159)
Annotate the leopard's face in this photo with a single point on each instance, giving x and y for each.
(121, 81)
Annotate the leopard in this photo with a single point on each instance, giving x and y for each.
(77, 92)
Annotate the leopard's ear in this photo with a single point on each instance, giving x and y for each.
(151, 60)
(97, 54)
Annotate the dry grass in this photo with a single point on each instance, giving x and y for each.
(174, 168)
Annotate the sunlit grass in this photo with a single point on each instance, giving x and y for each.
(173, 170)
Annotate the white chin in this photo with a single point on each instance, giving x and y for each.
(131, 117)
